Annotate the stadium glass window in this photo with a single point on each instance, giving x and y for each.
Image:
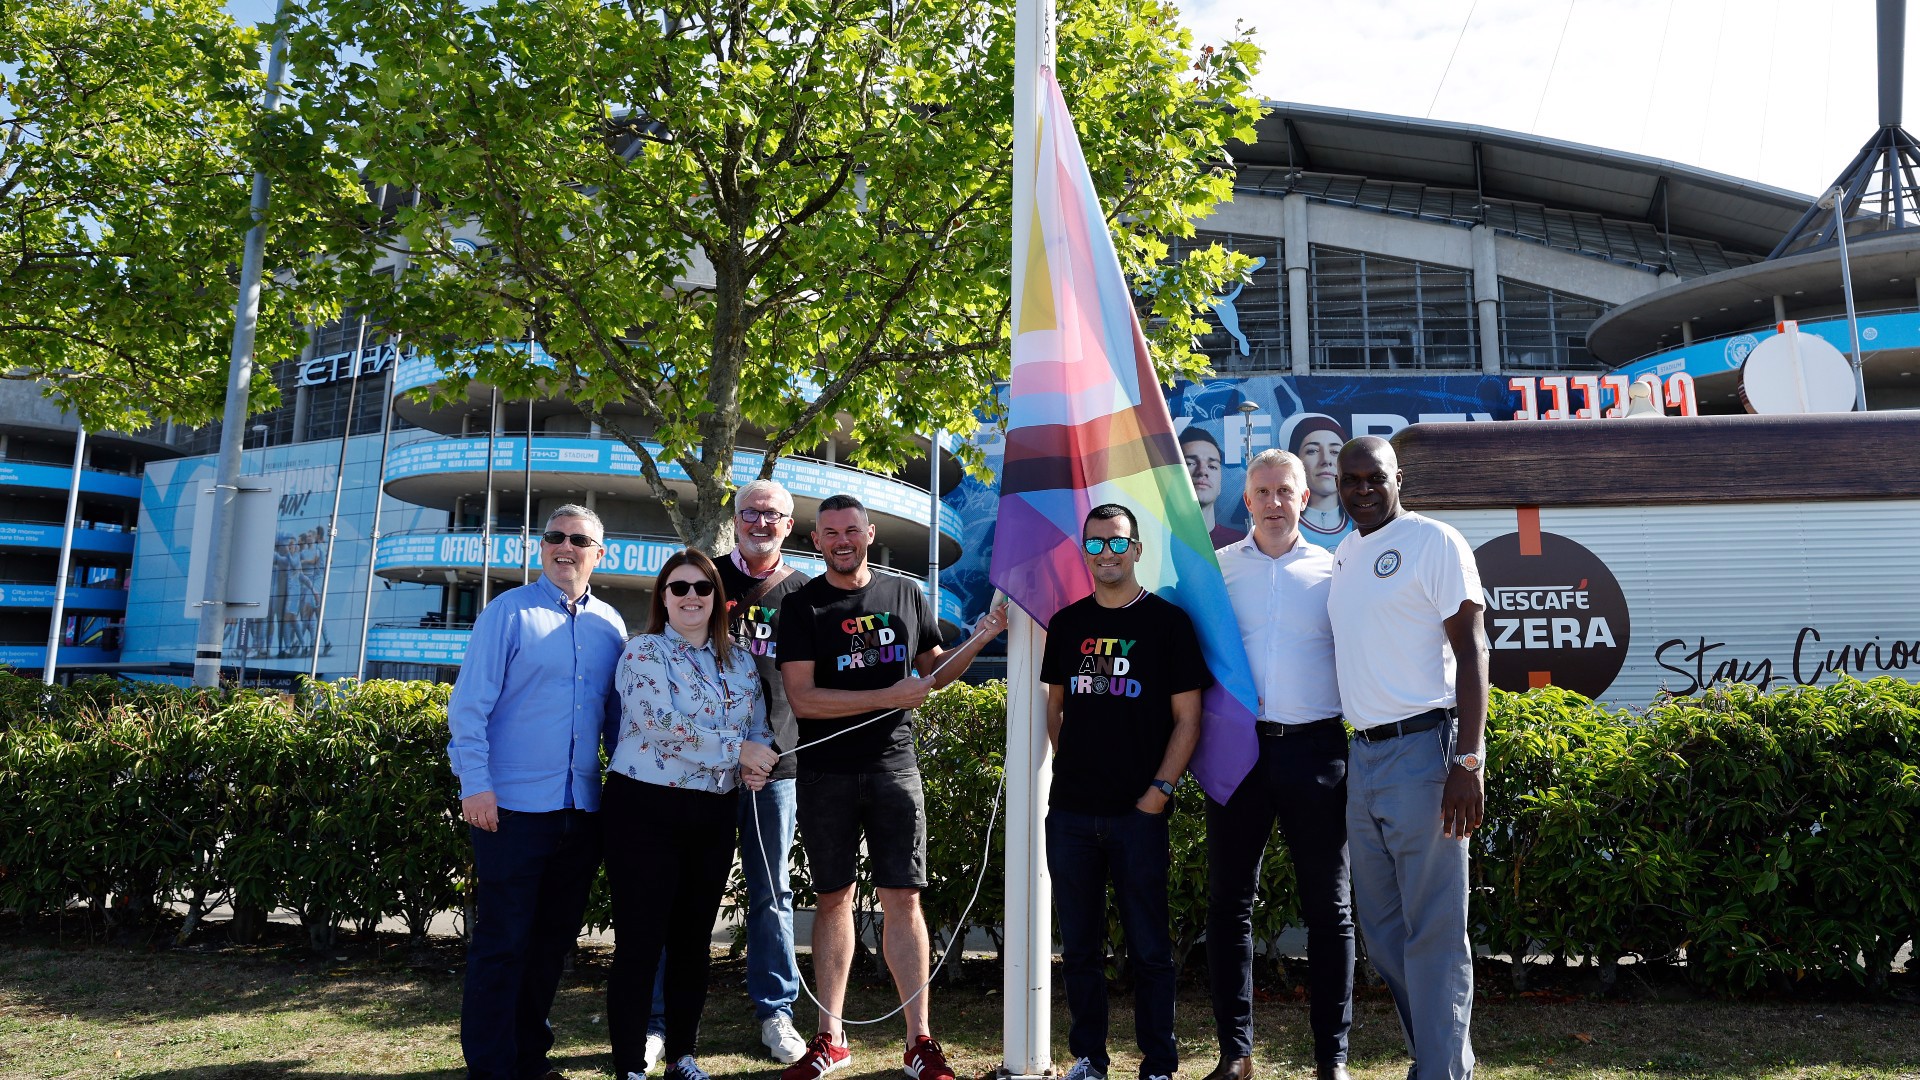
(1544, 330)
(1374, 313)
(1247, 328)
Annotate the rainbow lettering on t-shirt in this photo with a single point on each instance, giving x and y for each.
(1103, 668)
(871, 641)
(754, 630)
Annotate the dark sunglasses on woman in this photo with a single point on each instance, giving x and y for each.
(700, 588)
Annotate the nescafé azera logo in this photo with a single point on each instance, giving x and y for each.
(1555, 614)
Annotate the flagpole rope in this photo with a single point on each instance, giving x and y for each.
(986, 853)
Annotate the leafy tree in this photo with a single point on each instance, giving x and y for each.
(778, 214)
(124, 183)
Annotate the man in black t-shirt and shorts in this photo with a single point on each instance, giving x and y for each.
(1124, 673)
(857, 653)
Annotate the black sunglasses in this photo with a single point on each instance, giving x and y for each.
(700, 588)
(580, 540)
(1118, 544)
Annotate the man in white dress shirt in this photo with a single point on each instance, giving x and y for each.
(1278, 584)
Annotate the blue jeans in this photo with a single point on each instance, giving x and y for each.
(1410, 894)
(530, 892)
(1083, 850)
(773, 977)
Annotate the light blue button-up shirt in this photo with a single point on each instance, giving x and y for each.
(535, 700)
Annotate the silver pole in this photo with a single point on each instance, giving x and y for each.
(1839, 198)
(526, 508)
(386, 442)
(486, 523)
(339, 481)
(208, 651)
(379, 500)
(66, 560)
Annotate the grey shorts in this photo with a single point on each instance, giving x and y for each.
(835, 809)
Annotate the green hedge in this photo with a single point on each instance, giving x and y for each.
(1765, 838)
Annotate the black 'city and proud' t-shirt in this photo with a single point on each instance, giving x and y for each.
(1121, 668)
(857, 639)
(752, 623)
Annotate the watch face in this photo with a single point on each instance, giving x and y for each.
(1471, 761)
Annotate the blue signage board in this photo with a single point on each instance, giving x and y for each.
(1721, 355)
(78, 599)
(34, 657)
(608, 457)
(463, 551)
(60, 478)
(34, 535)
(417, 645)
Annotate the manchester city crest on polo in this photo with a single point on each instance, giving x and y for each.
(1387, 563)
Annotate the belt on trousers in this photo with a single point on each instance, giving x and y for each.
(1278, 730)
(1412, 725)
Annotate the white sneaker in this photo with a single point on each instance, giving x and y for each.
(778, 1033)
(656, 1046)
(1083, 1070)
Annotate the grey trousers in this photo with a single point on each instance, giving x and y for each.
(1410, 894)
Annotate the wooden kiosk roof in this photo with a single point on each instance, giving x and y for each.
(1660, 460)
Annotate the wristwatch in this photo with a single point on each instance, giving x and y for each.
(1472, 762)
(1164, 786)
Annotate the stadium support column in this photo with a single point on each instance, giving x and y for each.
(1293, 225)
(1486, 297)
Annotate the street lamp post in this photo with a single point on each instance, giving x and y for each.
(1836, 198)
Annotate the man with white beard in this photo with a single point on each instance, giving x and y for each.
(757, 579)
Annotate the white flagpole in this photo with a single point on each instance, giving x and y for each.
(1027, 960)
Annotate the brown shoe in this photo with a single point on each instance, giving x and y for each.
(1334, 1070)
(1232, 1069)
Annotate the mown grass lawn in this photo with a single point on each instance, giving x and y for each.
(388, 1011)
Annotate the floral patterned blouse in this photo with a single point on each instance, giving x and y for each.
(682, 719)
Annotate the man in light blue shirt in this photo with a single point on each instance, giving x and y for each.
(533, 704)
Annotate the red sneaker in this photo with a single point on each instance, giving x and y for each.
(926, 1061)
(821, 1058)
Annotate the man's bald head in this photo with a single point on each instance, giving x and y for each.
(1370, 482)
(1379, 449)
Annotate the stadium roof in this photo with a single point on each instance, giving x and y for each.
(1674, 198)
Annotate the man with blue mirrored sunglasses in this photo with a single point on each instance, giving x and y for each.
(1124, 674)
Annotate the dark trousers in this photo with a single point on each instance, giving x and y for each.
(669, 851)
(1083, 851)
(1299, 780)
(532, 877)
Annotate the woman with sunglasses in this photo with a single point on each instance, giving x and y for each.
(693, 727)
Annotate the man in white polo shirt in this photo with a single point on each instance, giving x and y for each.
(1412, 658)
(1278, 584)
